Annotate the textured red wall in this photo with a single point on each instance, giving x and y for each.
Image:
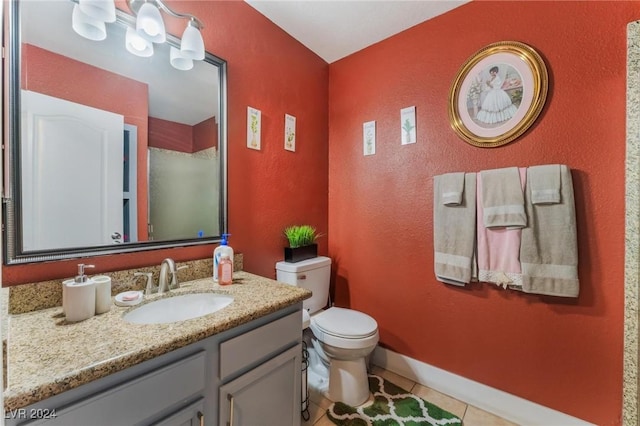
(268, 189)
(562, 353)
(205, 135)
(272, 188)
(174, 136)
(170, 135)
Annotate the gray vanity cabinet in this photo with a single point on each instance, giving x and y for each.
(264, 395)
(258, 363)
(260, 370)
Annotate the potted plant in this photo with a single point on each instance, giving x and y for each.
(302, 243)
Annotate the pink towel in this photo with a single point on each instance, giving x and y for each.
(498, 248)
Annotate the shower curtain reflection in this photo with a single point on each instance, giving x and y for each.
(182, 194)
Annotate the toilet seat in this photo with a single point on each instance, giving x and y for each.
(345, 323)
(345, 328)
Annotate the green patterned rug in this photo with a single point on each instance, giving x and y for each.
(391, 406)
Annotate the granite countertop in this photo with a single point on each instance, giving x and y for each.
(47, 355)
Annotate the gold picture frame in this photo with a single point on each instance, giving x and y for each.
(498, 94)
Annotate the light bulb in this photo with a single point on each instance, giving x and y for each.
(178, 61)
(102, 10)
(138, 45)
(87, 26)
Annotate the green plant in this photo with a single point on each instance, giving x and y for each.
(301, 235)
(254, 123)
(407, 126)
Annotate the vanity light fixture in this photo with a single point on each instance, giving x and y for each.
(150, 25)
(89, 18)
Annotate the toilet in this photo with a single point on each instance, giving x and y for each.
(341, 339)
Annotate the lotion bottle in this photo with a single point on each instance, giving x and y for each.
(224, 247)
(225, 270)
(79, 296)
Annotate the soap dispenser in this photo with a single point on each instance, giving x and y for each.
(79, 296)
(224, 247)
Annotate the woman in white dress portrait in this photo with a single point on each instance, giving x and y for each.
(497, 105)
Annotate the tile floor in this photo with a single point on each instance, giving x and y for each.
(470, 415)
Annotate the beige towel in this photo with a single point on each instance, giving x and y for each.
(545, 183)
(549, 247)
(452, 187)
(498, 249)
(454, 234)
(502, 198)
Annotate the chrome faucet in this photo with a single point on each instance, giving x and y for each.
(168, 266)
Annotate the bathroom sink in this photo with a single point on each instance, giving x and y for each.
(178, 308)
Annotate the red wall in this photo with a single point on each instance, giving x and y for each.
(205, 135)
(170, 135)
(175, 136)
(272, 188)
(268, 189)
(562, 353)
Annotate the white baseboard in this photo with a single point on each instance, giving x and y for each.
(502, 404)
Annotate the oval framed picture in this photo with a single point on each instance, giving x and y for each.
(498, 94)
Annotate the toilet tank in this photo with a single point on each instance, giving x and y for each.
(312, 274)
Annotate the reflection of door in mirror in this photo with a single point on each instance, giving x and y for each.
(71, 174)
(61, 77)
(183, 163)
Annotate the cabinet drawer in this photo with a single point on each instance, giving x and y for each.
(258, 344)
(133, 401)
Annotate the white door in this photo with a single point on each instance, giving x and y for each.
(72, 174)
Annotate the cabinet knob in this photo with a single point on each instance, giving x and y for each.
(302, 277)
(201, 418)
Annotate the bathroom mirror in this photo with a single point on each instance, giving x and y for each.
(106, 151)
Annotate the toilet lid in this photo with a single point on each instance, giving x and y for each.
(345, 323)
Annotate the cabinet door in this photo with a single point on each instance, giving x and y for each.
(268, 395)
(62, 141)
(191, 415)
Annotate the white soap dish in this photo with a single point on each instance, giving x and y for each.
(128, 298)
